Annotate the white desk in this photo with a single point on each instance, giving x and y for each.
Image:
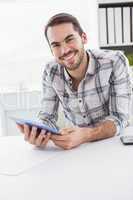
(101, 170)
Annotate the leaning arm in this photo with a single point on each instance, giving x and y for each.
(102, 130)
(120, 93)
(119, 102)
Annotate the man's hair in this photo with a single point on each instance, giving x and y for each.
(61, 18)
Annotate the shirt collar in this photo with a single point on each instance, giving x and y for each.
(91, 65)
(67, 76)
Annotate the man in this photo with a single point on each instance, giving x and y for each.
(93, 87)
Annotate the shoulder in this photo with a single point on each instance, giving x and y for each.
(109, 60)
(103, 55)
(52, 69)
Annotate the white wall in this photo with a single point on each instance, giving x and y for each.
(23, 49)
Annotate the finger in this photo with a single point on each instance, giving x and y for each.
(26, 132)
(45, 141)
(61, 144)
(33, 135)
(20, 127)
(40, 138)
(60, 137)
(66, 131)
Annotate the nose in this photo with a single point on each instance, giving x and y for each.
(64, 48)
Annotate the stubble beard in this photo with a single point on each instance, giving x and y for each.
(76, 65)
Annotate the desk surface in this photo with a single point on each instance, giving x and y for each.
(100, 170)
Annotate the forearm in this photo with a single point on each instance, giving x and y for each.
(102, 130)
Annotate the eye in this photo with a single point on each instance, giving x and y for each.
(55, 45)
(69, 39)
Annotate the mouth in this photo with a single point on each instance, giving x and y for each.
(69, 57)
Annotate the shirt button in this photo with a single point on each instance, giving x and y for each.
(84, 116)
(80, 100)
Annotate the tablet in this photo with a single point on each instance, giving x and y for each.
(36, 124)
(127, 139)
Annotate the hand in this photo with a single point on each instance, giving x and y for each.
(33, 137)
(70, 137)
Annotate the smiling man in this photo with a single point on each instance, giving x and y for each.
(93, 87)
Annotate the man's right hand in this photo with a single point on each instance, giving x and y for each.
(33, 137)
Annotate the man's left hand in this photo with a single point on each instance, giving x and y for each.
(70, 137)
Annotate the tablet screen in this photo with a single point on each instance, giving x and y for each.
(36, 124)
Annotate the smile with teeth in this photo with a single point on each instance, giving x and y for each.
(69, 56)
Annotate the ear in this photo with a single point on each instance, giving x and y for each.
(84, 38)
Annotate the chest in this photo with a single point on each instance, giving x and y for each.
(91, 92)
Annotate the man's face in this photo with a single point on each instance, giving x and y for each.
(67, 45)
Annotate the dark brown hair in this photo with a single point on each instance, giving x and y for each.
(61, 18)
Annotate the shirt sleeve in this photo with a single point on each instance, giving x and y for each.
(50, 101)
(120, 93)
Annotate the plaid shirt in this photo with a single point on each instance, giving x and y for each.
(103, 94)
